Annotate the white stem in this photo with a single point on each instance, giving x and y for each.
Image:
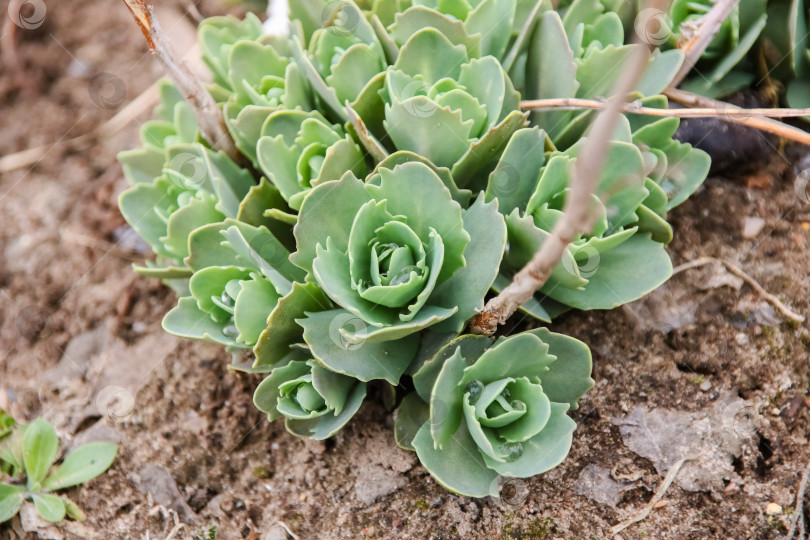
(278, 18)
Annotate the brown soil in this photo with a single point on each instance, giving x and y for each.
(77, 326)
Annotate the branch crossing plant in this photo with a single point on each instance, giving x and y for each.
(390, 179)
(28, 452)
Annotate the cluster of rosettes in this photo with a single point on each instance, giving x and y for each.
(388, 181)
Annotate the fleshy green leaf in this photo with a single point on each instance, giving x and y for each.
(11, 499)
(40, 444)
(467, 287)
(542, 452)
(327, 425)
(410, 416)
(82, 464)
(73, 510)
(568, 377)
(282, 331)
(458, 465)
(624, 274)
(316, 222)
(50, 507)
(364, 361)
(446, 399)
(471, 348)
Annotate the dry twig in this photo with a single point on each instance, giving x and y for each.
(706, 28)
(659, 494)
(8, 48)
(578, 216)
(737, 271)
(635, 107)
(690, 99)
(798, 517)
(286, 529)
(212, 124)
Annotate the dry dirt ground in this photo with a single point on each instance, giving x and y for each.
(703, 369)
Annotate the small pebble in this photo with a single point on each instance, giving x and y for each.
(741, 339)
(752, 226)
(773, 509)
(705, 386)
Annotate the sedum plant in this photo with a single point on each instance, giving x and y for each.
(389, 180)
(726, 66)
(484, 411)
(28, 453)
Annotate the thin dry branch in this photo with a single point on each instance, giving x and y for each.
(578, 216)
(798, 517)
(737, 271)
(659, 494)
(705, 30)
(635, 107)
(8, 48)
(212, 123)
(769, 125)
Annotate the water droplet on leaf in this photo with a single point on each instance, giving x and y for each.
(227, 300)
(474, 388)
(512, 451)
(230, 331)
(402, 275)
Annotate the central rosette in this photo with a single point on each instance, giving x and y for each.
(395, 256)
(390, 265)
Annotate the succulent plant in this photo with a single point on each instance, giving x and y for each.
(647, 172)
(725, 66)
(299, 150)
(240, 273)
(314, 401)
(175, 124)
(397, 256)
(436, 92)
(196, 187)
(786, 49)
(390, 180)
(483, 411)
(484, 27)
(29, 452)
(253, 77)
